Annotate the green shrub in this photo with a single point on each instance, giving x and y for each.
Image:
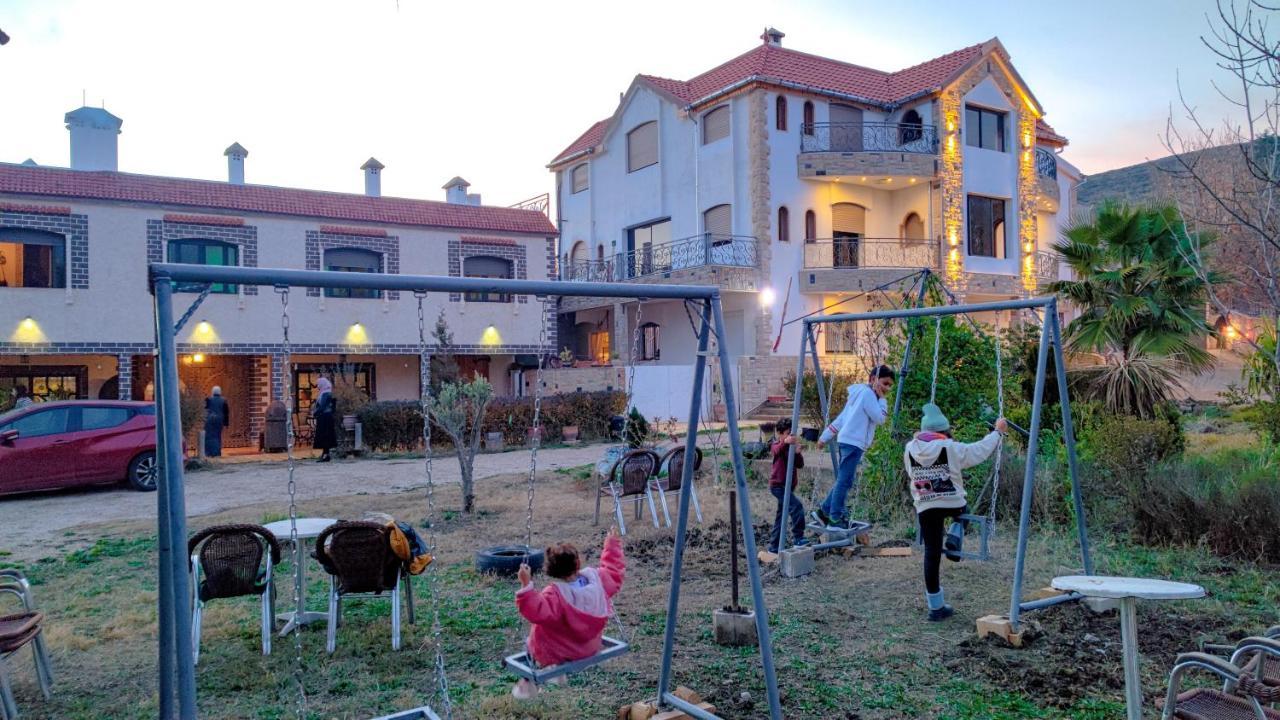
(637, 429)
(391, 425)
(1264, 418)
(837, 387)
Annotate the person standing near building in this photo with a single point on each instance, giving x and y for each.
(217, 415)
(324, 410)
(23, 397)
(854, 429)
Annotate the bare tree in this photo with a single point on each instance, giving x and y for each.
(1225, 174)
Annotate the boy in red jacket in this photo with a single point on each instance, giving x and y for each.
(777, 487)
(569, 615)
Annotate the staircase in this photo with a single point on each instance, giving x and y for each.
(773, 409)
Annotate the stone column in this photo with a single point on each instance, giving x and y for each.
(621, 334)
(124, 374)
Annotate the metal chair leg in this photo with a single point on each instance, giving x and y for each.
(635, 505)
(408, 595)
(8, 705)
(653, 509)
(697, 506)
(196, 607)
(617, 510)
(43, 657)
(395, 617)
(662, 495)
(331, 642)
(40, 676)
(599, 494)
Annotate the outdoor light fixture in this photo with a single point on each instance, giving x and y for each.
(204, 333)
(767, 296)
(491, 337)
(356, 334)
(28, 323)
(197, 358)
(28, 331)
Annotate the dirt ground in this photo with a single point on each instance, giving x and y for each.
(849, 640)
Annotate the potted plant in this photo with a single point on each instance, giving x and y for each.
(350, 400)
(566, 357)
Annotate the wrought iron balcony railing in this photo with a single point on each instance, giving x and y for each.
(1046, 164)
(869, 137)
(692, 252)
(854, 253)
(1047, 265)
(587, 271)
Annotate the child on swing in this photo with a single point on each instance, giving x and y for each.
(568, 616)
(777, 487)
(934, 465)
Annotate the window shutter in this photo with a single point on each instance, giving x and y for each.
(580, 176)
(718, 220)
(365, 260)
(848, 218)
(784, 223)
(642, 146)
(810, 225)
(715, 125)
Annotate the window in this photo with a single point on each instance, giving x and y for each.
(718, 221)
(641, 241)
(911, 128)
(103, 418)
(305, 376)
(848, 227)
(807, 127)
(642, 146)
(649, 349)
(32, 258)
(46, 422)
(204, 252)
(598, 346)
(579, 177)
(986, 227)
(784, 224)
(810, 226)
(983, 128)
(483, 266)
(352, 260)
(913, 227)
(841, 338)
(780, 113)
(715, 125)
(47, 382)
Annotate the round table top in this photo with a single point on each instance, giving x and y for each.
(307, 527)
(1127, 587)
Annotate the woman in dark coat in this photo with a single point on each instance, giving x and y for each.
(217, 415)
(324, 410)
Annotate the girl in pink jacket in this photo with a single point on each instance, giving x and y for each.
(569, 615)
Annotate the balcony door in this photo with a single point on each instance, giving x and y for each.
(846, 128)
(648, 248)
(848, 227)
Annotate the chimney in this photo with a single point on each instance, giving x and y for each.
(773, 37)
(235, 163)
(455, 191)
(93, 139)
(372, 177)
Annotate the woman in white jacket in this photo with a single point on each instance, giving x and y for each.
(935, 465)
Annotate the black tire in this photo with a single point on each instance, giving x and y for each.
(143, 472)
(505, 560)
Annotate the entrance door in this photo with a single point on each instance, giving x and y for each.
(232, 373)
(846, 128)
(471, 365)
(848, 227)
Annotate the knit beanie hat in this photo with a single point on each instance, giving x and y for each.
(933, 420)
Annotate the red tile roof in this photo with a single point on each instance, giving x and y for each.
(205, 194)
(778, 65)
(1045, 132)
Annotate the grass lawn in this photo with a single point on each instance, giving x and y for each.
(850, 640)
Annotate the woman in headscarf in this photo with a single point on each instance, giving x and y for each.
(217, 415)
(324, 410)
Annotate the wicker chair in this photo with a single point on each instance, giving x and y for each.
(629, 477)
(670, 484)
(1244, 698)
(1260, 658)
(17, 630)
(358, 557)
(230, 561)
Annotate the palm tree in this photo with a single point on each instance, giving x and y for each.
(1136, 286)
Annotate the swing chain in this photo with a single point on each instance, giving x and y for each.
(999, 457)
(631, 372)
(300, 706)
(937, 340)
(424, 379)
(536, 440)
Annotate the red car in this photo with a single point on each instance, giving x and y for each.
(52, 445)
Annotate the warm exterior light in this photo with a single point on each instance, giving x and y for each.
(1232, 333)
(490, 337)
(1027, 195)
(28, 331)
(197, 358)
(356, 334)
(767, 296)
(204, 333)
(951, 174)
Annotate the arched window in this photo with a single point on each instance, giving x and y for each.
(913, 227)
(911, 128)
(715, 125)
(780, 113)
(642, 146)
(807, 128)
(352, 260)
(32, 258)
(484, 266)
(810, 226)
(649, 335)
(718, 221)
(579, 253)
(784, 224)
(579, 177)
(204, 252)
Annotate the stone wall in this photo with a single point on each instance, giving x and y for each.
(867, 163)
(589, 379)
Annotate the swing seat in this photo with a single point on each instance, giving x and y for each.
(985, 530)
(423, 713)
(859, 527)
(521, 664)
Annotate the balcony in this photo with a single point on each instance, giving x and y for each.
(1047, 265)
(844, 264)
(1048, 195)
(868, 149)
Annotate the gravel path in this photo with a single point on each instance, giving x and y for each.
(35, 525)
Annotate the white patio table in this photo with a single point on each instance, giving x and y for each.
(308, 529)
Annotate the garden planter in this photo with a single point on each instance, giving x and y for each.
(570, 433)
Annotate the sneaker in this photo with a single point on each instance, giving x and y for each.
(941, 613)
(524, 690)
(820, 516)
(953, 542)
(801, 542)
(772, 550)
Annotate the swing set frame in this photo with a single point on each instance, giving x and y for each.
(176, 669)
(1050, 338)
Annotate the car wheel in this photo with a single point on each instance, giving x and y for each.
(143, 472)
(505, 560)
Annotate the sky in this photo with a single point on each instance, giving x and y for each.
(491, 91)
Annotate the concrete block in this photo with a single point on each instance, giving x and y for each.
(795, 562)
(1101, 605)
(734, 629)
(999, 626)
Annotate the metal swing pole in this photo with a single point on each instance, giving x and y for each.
(177, 593)
(906, 353)
(164, 550)
(824, 402)
(1069, 433)
(784, 525)
(1029, 479)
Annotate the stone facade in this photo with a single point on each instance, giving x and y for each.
(189, 227)
(386, 246)
(838, 164)
(761, 208)
(590, 379)
(75, 228)
(463, 248)
(124, 373)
